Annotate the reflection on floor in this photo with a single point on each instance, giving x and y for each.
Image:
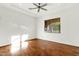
(37, 47)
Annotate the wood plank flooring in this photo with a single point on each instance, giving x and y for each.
(39, 47)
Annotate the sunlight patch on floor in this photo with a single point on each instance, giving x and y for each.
(18, 43)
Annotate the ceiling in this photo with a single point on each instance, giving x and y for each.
(51, 8)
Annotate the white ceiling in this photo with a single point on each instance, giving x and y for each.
(51, 8)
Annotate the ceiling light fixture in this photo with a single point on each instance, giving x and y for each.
(39, 6)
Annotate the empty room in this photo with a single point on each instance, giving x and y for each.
(39, 29)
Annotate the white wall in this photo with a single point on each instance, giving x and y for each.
(69, 26)
(13, 22)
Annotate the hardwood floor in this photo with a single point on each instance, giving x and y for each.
(39, 47)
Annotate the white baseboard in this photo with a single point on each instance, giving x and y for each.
(1, 45)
